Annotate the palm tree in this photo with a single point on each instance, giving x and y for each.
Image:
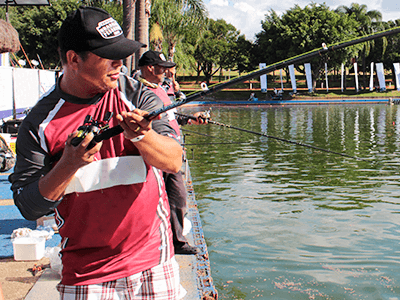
(156, 37)
(175, 17)
(128, 25)
(142, 15)
(369, 22)
(135, 24)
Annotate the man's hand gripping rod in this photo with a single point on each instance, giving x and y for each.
(113, 131)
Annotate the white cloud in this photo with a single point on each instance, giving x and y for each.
(244, 16)
(219, 2)
(245, 7)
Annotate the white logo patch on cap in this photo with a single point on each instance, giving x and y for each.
(109, 28)
(162, 57)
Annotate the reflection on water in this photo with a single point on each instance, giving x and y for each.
(288, 222)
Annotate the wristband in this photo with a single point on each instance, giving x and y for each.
(137, 139)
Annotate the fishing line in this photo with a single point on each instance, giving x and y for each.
(222, 143)
(285, 140)
(273, 137)
(192, 131)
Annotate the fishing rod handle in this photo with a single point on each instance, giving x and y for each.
(105, 135)
(187, 116)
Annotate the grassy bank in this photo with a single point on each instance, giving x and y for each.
(243, 94)
(242, 91)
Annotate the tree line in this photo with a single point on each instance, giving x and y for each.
(182, 30)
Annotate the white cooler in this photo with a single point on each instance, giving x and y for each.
(29, 248)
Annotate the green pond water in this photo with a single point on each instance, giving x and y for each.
(288, 222)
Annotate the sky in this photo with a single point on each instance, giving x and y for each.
(246, 15)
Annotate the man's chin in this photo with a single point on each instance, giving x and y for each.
(111, 85)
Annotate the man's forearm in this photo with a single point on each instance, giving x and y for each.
(54, 183)
(161, 152)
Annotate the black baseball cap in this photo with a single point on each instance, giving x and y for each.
(151, 58)
(93, 29)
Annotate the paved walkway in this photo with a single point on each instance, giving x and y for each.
(46, 285)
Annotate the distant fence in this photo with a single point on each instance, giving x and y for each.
(380, 74)
(21, 88)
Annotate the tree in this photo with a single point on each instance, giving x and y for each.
(368, 22)
(391, 46)
(216, 47)
(114, 8)
(185, 49)
(176, 17)
(142, 15)
(38, 28)
(156, 37)
(270, 42)
(242, 54)
(300, 30)
(128, 25)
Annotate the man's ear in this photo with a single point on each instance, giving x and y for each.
(151, 70)
(73, 58)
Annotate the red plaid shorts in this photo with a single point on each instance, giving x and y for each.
(158, 283)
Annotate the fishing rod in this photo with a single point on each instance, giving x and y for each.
(113, 131)
(274, 137)
(276, 66)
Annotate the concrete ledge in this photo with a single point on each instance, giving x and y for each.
(45, 287)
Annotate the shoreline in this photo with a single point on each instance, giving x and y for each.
(231, 96)
(313, 101)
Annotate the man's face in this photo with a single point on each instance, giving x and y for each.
(169, 73)
(158, 73)
(99, 75)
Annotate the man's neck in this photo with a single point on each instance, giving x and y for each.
(71, 87)
(148, 83)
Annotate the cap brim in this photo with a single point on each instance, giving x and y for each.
(166, 64)
(119, 50)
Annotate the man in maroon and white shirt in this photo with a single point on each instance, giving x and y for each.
(109, 200)
(152, 66)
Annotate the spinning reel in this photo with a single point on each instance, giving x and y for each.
(90, 125)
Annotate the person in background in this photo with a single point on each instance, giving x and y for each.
(252, 97)
(153, 66)
(171, 85)
(109, 199)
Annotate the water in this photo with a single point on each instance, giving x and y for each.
(288, 222)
